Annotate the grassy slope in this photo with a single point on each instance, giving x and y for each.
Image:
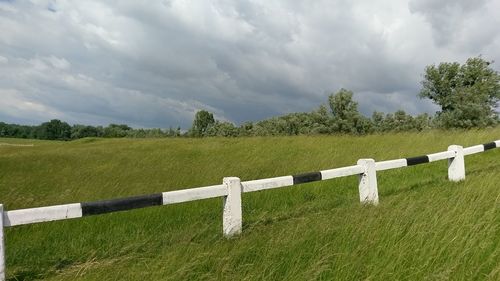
(424, 228)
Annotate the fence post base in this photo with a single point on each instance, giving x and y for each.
(368, 191)
(456, 165)
(232, 215)
(2, 246)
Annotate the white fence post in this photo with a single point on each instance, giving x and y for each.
(368, 191)
(456, 165)
(232, 218)
(2, 246)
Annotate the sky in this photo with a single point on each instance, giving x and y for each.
(153, 64)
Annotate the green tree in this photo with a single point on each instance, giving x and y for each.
(54, 130)
(467, 94)
(403, 122)
(82, 131)
(347, 118)
(378, 121)
(202, 120)
(116, 131)
(423, 122)
(321, 121)
(222, 129)
(17, 131)
(246, 129)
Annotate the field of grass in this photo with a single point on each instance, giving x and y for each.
(425, 227)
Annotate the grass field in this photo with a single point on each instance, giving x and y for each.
(425, 228)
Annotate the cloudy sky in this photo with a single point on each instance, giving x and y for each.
(155, 63)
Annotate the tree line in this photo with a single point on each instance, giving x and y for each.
(59, 130)
(339, 116)
(468, 95)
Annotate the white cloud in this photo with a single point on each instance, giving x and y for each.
(59, 63)
(15, 104)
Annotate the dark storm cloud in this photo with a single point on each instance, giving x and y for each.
(469, 25)
(155, 64)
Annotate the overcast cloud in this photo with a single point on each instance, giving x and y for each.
(155, 63)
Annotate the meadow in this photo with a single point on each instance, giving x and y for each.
(425, 227)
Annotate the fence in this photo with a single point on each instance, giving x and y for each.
(231, 190)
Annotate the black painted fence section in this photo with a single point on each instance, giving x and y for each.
(417, 160)
(122, 204)
(489, 145)
(307, 177)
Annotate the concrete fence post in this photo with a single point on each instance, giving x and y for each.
(232, 216)
(2, 246)
(368, 191)
(456, 165)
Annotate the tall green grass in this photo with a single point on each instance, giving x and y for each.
(425, 228)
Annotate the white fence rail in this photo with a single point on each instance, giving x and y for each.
(231, 190)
